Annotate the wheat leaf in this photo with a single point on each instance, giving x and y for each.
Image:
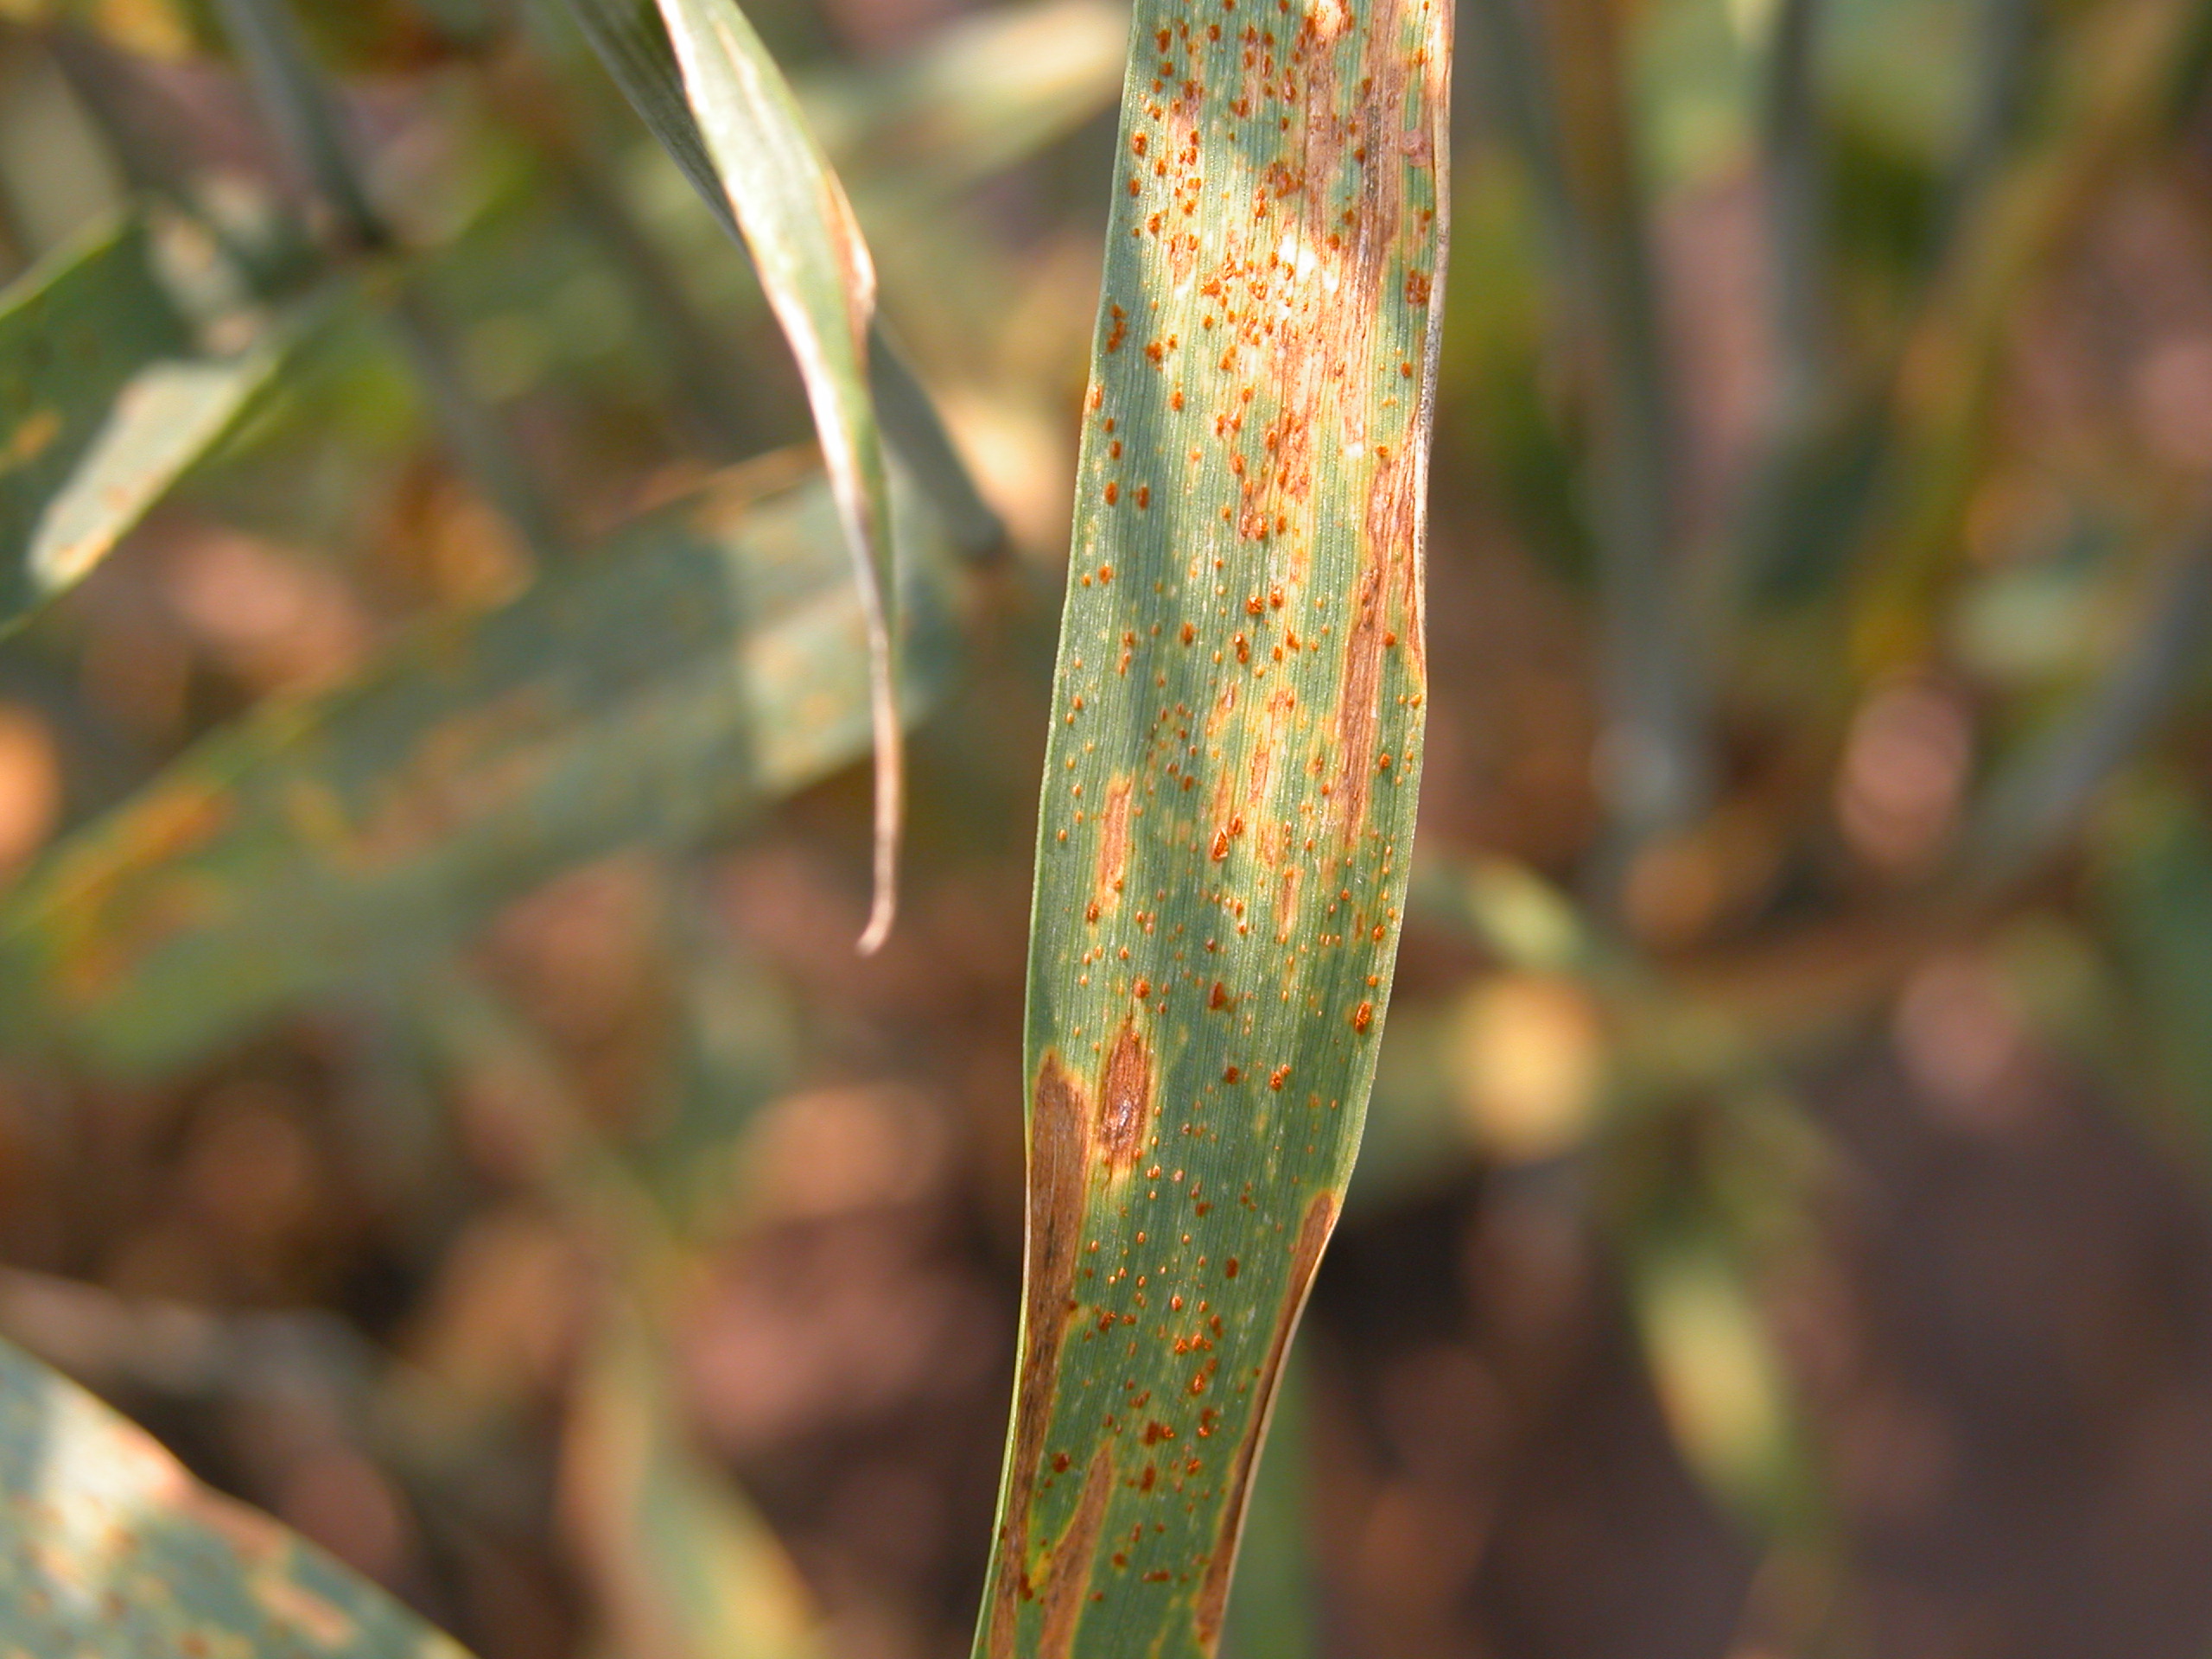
(661, 690)
(1229, 790)
(107, 1546)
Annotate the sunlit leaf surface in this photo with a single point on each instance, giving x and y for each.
(1229, 792)
(104, 405)
(108, 1547)
(709, 661)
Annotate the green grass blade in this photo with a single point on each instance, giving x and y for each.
(107, 1546)
(684, 1567)
(1229, 792)
(2033, 805)
(104, 405)
(734, 126)
(660, 691)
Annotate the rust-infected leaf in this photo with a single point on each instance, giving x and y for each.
(707, 661)
(1229, 798)
(107, 1546)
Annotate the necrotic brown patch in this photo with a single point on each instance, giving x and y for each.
(1059, 1148)
(1390, 544)
(1072, 1557)
(1305, 1256)
(1113, 846)
(1125, 1100)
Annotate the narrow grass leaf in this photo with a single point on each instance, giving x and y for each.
(107, 1546)
(104, 405)
(684, 1568)
(1229, 791)
(744, 140)
(659, 691)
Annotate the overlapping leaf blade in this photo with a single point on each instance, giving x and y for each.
(706, 662)
(979, 95)
(741, 138)
(107, 1546)
(1229, 791)
(105, 403)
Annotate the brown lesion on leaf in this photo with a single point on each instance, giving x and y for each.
(1390, 566)
(1112, 847)
(1073, 1557)
(1359, 698)
(1270, 732)
(1287, 903)
(1334, 270)
(1060, 1164)
(1325, 264)
(1391, 560)
(1306, 1255)
(1124, 1101)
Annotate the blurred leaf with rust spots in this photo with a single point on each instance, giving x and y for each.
(1229, 791)
(707, 661)
(107, 1546)
(105, 403)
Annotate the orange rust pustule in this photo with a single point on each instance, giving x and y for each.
(1124, 1100)
(1073, 1557)
(1305, 1256)
(1059, 1157)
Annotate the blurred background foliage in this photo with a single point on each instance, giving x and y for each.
(441, 1099)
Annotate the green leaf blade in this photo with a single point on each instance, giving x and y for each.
(662, 690)
(104, 405)
(1229, 788)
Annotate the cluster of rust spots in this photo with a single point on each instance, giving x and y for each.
(1292, 294)
(1270, 184)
